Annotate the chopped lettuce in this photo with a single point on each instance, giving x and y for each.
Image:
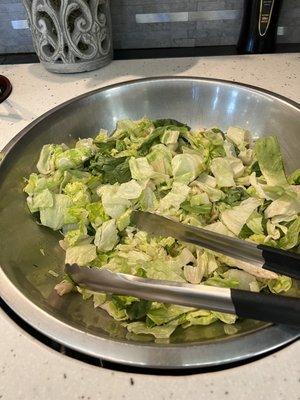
(281, 284)
(81, 254)
(270, 161)
(225, 183)
(238, 136)
(106, 236)
(186, 167)
(175, 197)
(235, 218)
(223, 172)
(54, 216)
(114, 205)
(292, 236)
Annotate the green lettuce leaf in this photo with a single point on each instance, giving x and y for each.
(245, 280)
(106, 236)
(166, 313)
(130, 190)
(291, 238)
(240, 137)
(47, 160)
(270, 161)
(186, 167)
(113, 204)
(169, 122)
(112, 169)
(114, 311)
(96, 213)
(40, 201)
(140, 169)
(81, 254)
(294, 178)
(233, 196)
(220, 281)
(78, 192)
(223, 172)
(284, 207)
(160, 159)
(54, 216)
(175, 197)
(281, 284)
(236, 217)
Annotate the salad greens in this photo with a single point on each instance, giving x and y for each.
(222, 181)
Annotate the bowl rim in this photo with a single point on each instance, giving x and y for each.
(171, 356)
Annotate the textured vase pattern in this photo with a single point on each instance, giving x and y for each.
(71, 35)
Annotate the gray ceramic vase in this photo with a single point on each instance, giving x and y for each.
(71, 35)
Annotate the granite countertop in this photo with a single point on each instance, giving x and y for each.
(30, 370)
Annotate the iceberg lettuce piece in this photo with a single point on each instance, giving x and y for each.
(206, 183)
(72, 158)
(284, 206)
(166, 313)
(292, 237)
(54, 216)
(140, 169)
(236, 217)
(160, 159)
(40, 201)
(78, 192)
(74, 236)
(272, 230)
(221, 281)
(81, 254)
(38, 182)
(47, 160)
(117, 313)
(255, 223)
(224, 317)
(164, 270)
(258, 272)
(223, 172)
(270, 161)
(113, 204)
(130, 190)
(229, 149)
(124, 220)
(96, 213)
(246, 156)
(147, 200)
(175, 197)
(240, 137)
(186, 167)
(170, 138)
(200, 317)
(193, 273)
(237, 166)
(106, 236)
(218, 227)
(75, 215)
(281, 284)
(245, 280)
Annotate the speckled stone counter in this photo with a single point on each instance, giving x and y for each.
(30, 370)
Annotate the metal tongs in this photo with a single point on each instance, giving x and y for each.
(265, 257)
(245, 304)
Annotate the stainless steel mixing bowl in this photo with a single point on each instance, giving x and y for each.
(25, 283)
